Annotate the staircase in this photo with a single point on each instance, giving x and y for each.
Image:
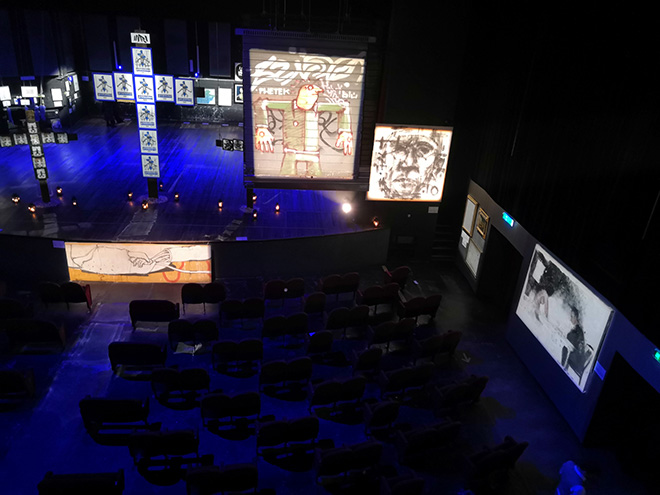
(445, 242)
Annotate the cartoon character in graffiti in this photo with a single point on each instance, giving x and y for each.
(301, 141)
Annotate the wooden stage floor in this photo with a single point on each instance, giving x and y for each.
(104, 164)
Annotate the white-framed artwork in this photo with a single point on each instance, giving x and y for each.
(470, 214)
(144, 89)
(148, 141)
(146, 114)
(184, 91)
(142, 62)
(164, 88)
(225, 97)
(124, 87)
(104, 88)
(150, 166)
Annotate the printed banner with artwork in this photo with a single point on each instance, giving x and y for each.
(567, 318)
(305, 109)
(150, 166)
(124, 86)
(165, 88)
(104, 89)
(142, 63)
(184, 91)
(148, 263)
(409, 163)
(144, 89)
(146, 114)
(148, 141)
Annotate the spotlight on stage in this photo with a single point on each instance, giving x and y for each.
(145, 204)
(346, 208)
(254, 214)
(32, 208)
(277, 207)
(219, 204)
(176, 196)
(59, 192)
(375, 221)
(15, 198)
(74, 201)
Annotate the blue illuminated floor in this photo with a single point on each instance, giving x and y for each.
(47, 432)
(104, 164)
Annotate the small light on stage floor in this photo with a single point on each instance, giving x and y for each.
(375, 221)
(32, 208)
(346, 207)
(15, 198)
(59, 192)
(160, 186)
(254, 214)
(277, 207)
(145, 204)
(129, 195)
(220, 204)
(74, 201)
(254, 198)
(176, 196)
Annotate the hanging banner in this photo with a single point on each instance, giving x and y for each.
(103, 87)
(146, 114)
(150, 166)
(124, 88)
(144, 89)
(165, 88)
(148, 141)
(142, 63)
(184, 91)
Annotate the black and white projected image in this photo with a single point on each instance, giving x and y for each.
(409, 164)
(567, 318)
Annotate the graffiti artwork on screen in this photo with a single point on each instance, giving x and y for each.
(408, 163)
(305, 109)
(149, 263)
(567, 318)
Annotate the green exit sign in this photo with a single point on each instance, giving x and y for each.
(656, 355)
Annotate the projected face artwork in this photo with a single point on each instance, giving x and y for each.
(408, 164)
(567, 318)
(304, 108)
(138, 262)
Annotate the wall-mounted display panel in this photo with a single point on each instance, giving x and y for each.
(148, 263)
(472, 258)
(209, 97)
(469, 215)
(566, 317)
(305, 111)
(409, 163)
(482, 222)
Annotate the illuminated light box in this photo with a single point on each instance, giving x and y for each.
(29, 91)
(148, 263)
(565, 316)
(305, 110)
(209, 97)
(56, 94)
(5, 93)
(409, 163)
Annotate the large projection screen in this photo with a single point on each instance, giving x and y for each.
(305, 113)
(567, 318)
(409, 163)
(134, 263)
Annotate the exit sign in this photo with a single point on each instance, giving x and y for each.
(142, 38)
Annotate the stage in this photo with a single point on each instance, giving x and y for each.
(103, 165)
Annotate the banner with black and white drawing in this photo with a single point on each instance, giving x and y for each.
(184, 91)
(148, 141)
(144, 89)
(103, 87)
(150, 166)
(164, 88)
(124, 86)
(146, 114)
(142, 63)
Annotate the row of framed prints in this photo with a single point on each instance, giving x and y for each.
(143, 89)
(471, 245)
(475, 219)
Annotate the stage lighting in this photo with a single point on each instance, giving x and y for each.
(129, 195)
(375, 221)
(58, 191)
(346, 207)
(254, 214)
(277, 207)
(32, 208)
(160, 185)
(74, 201)
(220, 204)
(176, 196)
(254, 198)
(15, 198)
(145, 204)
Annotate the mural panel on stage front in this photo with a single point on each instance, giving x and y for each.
(148, 263)
(567, 318)
(305, 110)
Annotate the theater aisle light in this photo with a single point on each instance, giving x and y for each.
(176, 196)
(15, 198)
(160, 185)
(346, 207)
(74, 201)
(59, 191)
(254, 214)
(32, 208)
(254, 198)
(129, 195)
(219, 204)
(145, 204)
(277, 207)
(375, 221)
